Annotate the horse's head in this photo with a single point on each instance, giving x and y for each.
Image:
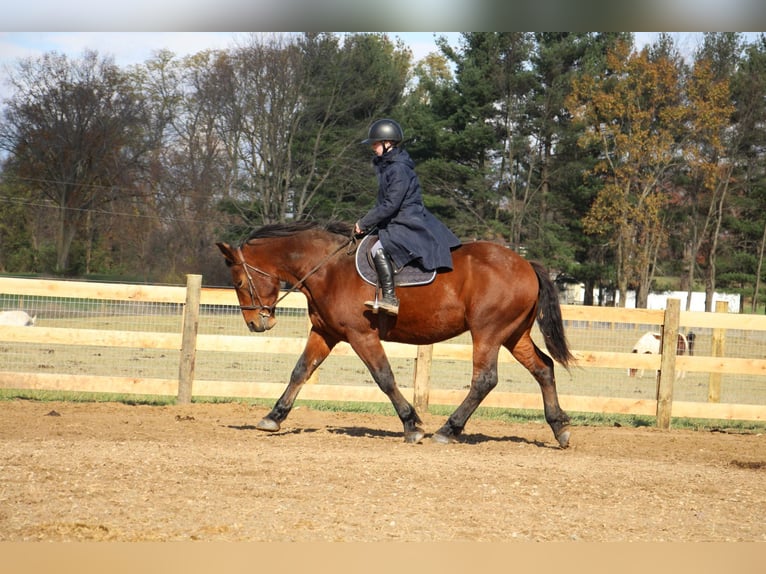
(257, 290)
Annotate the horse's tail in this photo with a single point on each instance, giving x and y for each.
(549, 317)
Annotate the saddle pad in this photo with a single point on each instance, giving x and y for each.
(407, 276)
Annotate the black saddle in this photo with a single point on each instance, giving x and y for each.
(410, 275)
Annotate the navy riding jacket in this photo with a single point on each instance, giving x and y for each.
(407, 230)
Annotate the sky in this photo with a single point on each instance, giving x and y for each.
(135, 47)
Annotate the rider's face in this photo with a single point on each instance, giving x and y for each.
(381, 147)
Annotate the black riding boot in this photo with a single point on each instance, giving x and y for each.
(385, 268)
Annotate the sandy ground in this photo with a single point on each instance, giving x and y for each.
(114, 472)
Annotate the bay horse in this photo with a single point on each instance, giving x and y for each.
(492, 292)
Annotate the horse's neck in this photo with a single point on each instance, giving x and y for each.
(302, 260)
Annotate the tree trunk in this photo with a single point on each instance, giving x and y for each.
(622, 272)
(710, 271)
(67, 228)
(687, 283)
(759, 267)
(587, 298)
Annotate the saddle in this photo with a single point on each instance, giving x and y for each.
(408, 276)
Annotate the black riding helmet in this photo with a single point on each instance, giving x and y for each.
(384, 130)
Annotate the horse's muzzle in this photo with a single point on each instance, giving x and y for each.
(263, 323)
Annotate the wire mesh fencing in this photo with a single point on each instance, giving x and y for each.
(88, 342)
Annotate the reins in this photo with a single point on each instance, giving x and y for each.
(294, 287)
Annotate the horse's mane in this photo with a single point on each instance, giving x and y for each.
(286, 229)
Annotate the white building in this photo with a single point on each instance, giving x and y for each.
(575, 295)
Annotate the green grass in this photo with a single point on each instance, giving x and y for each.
(489, 413)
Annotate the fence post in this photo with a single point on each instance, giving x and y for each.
(189, 339)
(422, 382)
(719, 343)
(667, 374)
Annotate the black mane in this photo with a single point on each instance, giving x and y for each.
(286, 229)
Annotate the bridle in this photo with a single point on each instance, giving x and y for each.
(246, 267)
(255, 299)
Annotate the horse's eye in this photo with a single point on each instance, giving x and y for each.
(239, 284)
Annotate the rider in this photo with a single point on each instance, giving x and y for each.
(407, 231)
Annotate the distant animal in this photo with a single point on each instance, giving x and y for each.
(16, 319)
(649, 343)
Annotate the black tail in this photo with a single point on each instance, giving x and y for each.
(549, 317)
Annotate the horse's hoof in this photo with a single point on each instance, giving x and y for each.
(443, 438)
(415, 436)
(563, 438)
(268, 425)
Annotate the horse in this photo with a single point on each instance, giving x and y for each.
(649, 344)
(491, 291)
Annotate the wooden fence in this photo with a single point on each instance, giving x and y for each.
(188, 342)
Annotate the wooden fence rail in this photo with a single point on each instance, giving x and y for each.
(188, 342)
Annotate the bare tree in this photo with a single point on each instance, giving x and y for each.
(291, 113)
(74, 132)
(189, 163)
(259, 98)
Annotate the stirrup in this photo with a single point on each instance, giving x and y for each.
(390, 306)
(374, 305)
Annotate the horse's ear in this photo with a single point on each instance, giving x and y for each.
(227, 251)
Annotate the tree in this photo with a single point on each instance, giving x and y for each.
(427, 112)
(554, 229)
(748, 85)
(190, 172)
(473, 153)
(264, 99)
(299, 110)
(709, 167)
(16, 240)
(73, 130)
(568, 183)
(348, 83)
(634, 111)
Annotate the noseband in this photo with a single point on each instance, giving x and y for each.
(246, 267)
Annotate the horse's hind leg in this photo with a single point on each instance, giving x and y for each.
(483, 380)
(541, 366)
(316, 350)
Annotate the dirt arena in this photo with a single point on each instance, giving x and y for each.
(114, 472)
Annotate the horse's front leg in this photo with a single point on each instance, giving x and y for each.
(316, 350)
(371, 352)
